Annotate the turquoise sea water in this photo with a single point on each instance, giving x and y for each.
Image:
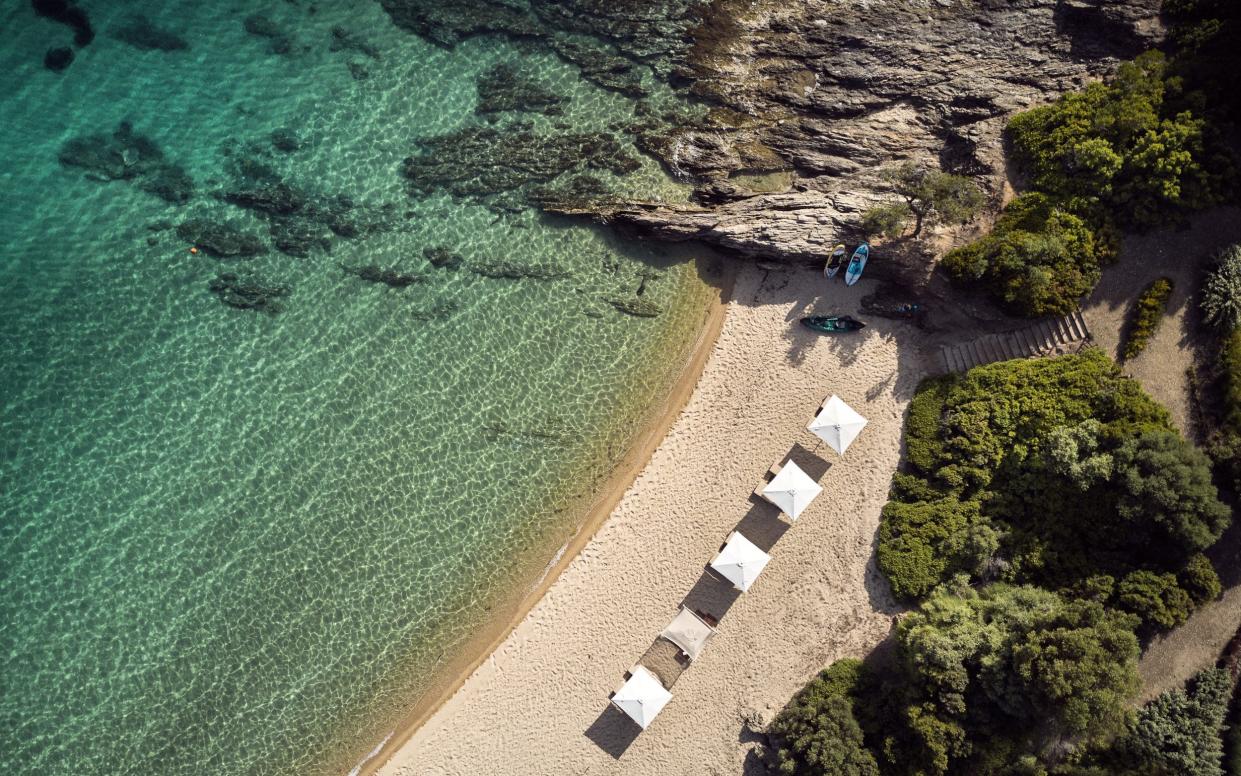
(241, 543)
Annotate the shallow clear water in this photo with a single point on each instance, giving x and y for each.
(241, 543)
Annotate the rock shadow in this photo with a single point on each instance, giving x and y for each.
(613, 732)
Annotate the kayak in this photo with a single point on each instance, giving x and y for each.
(835, 262)
(857, 264)
(832, 324)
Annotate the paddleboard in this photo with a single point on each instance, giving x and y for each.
(835, 262)
(857, 264)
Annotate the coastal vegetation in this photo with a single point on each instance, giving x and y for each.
(1139, 151)
(1148, 312)
(1048, 518)
(1221, 307)
(929, 196)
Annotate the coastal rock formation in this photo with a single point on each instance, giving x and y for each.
(612, 43)
(57, 59)
(822, 95)
(220, 239)
(129, 156)
(442, 257)
(372, 273)
(261, 26)
(505, 88)
(246, 292)
(480, 162)
(344, 40)
(141, 33)
(69, 15)
(503, 269)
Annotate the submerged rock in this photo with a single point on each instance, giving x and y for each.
(480, 162)
(344, 40)
(437, 310)
(259, 25)
(637, 306)
(503, 269)
(57, 59)
(504, 88)
(220, 239)
(286, 140)
(141, 33)
(127, 155)
(246, 292)
(298, 236)
(372, 273)
(358, 71)
(442, 257)
(69, 15)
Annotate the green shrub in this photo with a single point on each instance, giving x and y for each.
(1221, 294)
(886, 220)
(1156, 598)
(817, 732)
(922, 544)
(1199, 579)
(1038, 260)
(933, 195)
(1148, 312)
(1180, 732)
(1124, 143)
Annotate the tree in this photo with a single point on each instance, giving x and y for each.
(886, 220)
(1165, 483)
(935, 195)
(1221, 294)
(1015, 662)
(818, 733)
(1074, 453)
(1180, 732)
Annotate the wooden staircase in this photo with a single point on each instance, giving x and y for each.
(1045, 337)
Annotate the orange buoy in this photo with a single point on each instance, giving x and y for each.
(193, 250)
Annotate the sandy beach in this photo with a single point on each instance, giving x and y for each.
(539, 703)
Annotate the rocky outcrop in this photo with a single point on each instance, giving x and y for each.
(57, 59)
(826, 94)
(393, 278)
(246, 292)
(143, 34)
(129, 156)
(504, 88)
(69, 15)
(262, 26)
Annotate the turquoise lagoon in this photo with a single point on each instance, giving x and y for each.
(240, 543)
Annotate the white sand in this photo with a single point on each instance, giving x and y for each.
(539, 704)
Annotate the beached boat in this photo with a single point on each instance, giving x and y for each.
(857, 264)
(835, 262)
(832, 324)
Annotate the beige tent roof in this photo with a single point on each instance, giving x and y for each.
(740, 562)
(689, 632)
(792, 490)
(642, 697)
(838, 424)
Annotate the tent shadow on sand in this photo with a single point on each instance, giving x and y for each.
(613, 732)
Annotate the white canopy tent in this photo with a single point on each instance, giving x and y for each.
(740, 562)
(642, 697)
(838, 424)
(689, 632)
(791, 489)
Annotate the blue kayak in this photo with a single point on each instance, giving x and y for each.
(857, 264)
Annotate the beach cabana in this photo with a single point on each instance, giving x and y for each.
(837, 423)
(740, 561)
(641, 697)
(791, 489)
(689, 632)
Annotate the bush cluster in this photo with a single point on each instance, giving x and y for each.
(1141, 150)
(1147, 313)
(1058, 472)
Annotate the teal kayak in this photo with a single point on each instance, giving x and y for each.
(857, 264)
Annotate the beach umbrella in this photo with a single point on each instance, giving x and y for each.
(740, 562)
(791, 489)
(689, 632)
(838, 424)
(641, 697)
